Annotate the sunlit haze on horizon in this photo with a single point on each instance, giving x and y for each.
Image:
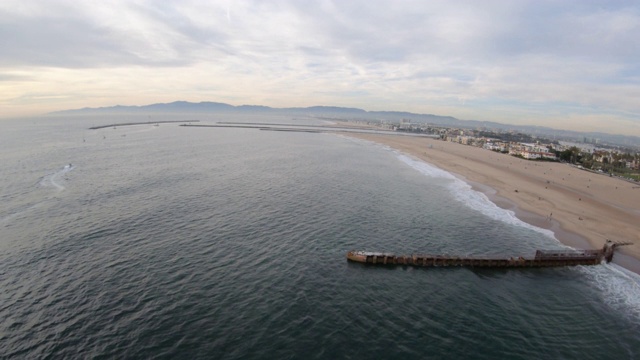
(566, 64)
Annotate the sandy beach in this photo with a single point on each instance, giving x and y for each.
(582, 208)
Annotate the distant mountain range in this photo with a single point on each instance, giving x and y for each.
(215, 107)
(354, 114)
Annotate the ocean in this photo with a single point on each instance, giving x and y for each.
(226, 243)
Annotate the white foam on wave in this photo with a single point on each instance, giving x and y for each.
(620, 287)
(464, 193)
(54, 179)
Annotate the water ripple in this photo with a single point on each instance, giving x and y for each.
(237, 251)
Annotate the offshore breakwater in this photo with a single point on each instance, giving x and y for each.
(142, 123)
(304, 128)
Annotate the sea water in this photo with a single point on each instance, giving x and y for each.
(177, 242)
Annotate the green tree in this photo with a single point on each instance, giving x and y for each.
(571, 155)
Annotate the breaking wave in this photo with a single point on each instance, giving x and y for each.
(620, 287)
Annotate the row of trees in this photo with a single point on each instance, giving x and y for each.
(616, 163)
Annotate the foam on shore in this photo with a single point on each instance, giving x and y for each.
(620, 287)
(461, 190)
(464, 193)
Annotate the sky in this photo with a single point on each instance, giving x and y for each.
(563, 64)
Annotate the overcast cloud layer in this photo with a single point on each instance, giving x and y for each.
(564, 64)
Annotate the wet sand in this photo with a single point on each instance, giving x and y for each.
(581, 207)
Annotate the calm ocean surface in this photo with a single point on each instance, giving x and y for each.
(175, 242)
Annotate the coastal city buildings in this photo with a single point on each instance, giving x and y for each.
(586, 153)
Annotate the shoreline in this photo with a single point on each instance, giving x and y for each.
(567, 238)
(551, 196)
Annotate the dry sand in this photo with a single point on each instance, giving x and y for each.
(581, 207)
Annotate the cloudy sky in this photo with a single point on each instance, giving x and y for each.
(564, 64)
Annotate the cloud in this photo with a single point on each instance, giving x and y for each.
(491, 60)
(15, 77)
